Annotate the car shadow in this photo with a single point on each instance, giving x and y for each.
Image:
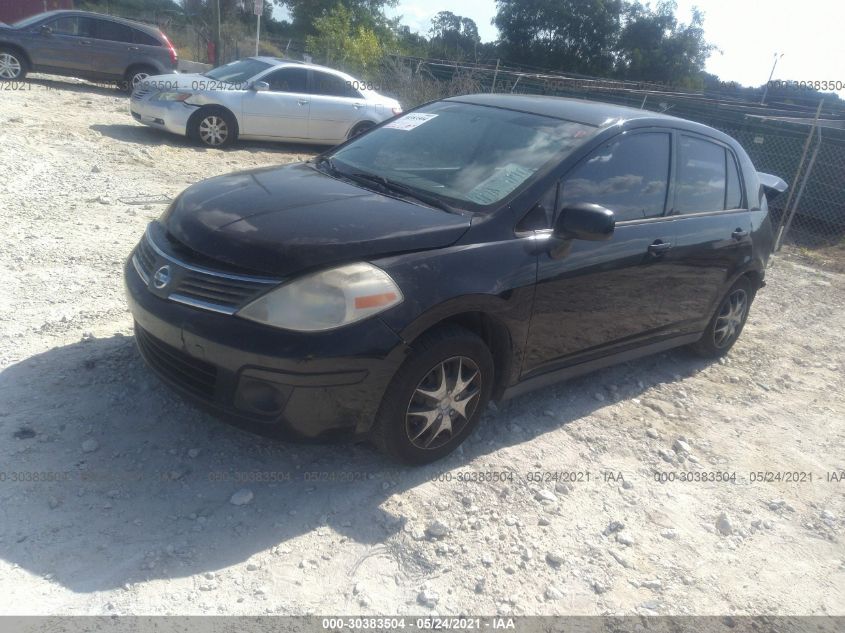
(143, 135)
(109, 478)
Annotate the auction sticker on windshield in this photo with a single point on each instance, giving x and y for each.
(410, 121)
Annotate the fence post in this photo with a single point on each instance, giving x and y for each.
(781, 229)
(804, 180)
(495, 74)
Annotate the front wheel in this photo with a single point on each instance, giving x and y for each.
(12, 65)
(436, 398)
(214, 128)
(726, 325)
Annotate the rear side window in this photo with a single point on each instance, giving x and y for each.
(77, 27)
(733, 197)
(288, 80)
(332, 86)
(112, 31)
(702, 182)
(628, 175)
(139, 37)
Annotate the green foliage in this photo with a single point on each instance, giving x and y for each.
(339, 41)
(453, 37)
(366, 13)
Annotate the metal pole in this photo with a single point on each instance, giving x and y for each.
(800, 191)
(257, 34)
(215, 25)
(495, 74)
(797, 175)
(771, 74)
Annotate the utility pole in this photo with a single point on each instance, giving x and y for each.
(771, 74)
(215, 26)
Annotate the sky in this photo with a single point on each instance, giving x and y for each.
(809, 33)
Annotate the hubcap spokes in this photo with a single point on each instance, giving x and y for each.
(138, 78)
(730, 318)
(213, 130)
(10, 67)
(443, 402)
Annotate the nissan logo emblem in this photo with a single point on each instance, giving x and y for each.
(161, 277)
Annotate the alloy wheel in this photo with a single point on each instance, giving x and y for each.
(213, 130)
(443, 403)
(10, 66)
(137, 78)
(731, 316)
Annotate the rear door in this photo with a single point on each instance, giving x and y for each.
(63, 47)
(335, 107)
(713, 227)
(110, 47)
(145, 47)
(593, 298)
(282, 111)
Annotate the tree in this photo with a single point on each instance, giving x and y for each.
(367, 13)
(453, 36)
(339, 41)
(573, 35)
(653, 46)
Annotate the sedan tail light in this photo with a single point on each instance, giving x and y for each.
(174, 56)
(397, 110)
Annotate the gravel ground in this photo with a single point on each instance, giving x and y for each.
(119, 498)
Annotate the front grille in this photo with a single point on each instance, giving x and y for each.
(141, 91)
(174, 365)
(195, 285)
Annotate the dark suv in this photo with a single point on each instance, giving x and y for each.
(87, 45)
(474, 248)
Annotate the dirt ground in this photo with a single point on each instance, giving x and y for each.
(116, 497)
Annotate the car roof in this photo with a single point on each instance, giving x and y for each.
(595, 113)
(278, 61)
(147, 28)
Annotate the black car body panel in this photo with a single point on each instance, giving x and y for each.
(241, 219)
(548, 307)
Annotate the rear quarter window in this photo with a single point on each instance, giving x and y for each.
(145, 39)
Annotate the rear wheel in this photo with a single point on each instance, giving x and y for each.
(436, 398)
(12, 65)
(726, 324)
(214, 127)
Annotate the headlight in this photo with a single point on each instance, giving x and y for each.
(326, 300)
(173, 96)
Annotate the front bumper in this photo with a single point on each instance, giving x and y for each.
(272, 381)
(171, 116)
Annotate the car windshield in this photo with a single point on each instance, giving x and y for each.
(469, 156)
(238, 72)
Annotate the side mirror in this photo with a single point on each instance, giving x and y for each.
(260, 86)
(45, 30)
(584, 221)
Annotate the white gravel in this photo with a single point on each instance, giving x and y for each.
(115, 495)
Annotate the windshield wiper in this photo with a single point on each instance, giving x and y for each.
(328, 161)
(390, 185)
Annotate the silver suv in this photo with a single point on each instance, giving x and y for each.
(87, 45)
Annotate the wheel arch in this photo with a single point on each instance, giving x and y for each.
(19, 50)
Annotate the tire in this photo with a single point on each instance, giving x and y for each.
(360, 128)
(726, 325)
(12, 65)
(213, 127)
(136, 75)
(401, 430)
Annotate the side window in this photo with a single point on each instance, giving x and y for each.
(112, 31)
(628, 175)
(288, 80)
(139, 37)
(76, 27)
(332, 86)
(733, 199)
(701, 183)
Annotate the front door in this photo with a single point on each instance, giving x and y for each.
(282, 111)
(63, 46)
(593, 298)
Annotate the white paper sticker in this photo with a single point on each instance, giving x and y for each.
(410, 121)
(501, 183)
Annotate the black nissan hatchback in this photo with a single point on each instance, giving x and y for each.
(474, 248)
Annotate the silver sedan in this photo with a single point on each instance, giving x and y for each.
(262, 98)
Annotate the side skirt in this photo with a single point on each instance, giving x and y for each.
(580, 369)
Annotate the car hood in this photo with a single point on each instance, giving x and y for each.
(281, 220)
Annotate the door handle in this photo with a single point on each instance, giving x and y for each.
(357, 105)
(302, 101)
(659, 247)
(85, 42)
(738, 234)
(134, 48)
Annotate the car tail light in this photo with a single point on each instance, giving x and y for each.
(174, 56)
(397, 110)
